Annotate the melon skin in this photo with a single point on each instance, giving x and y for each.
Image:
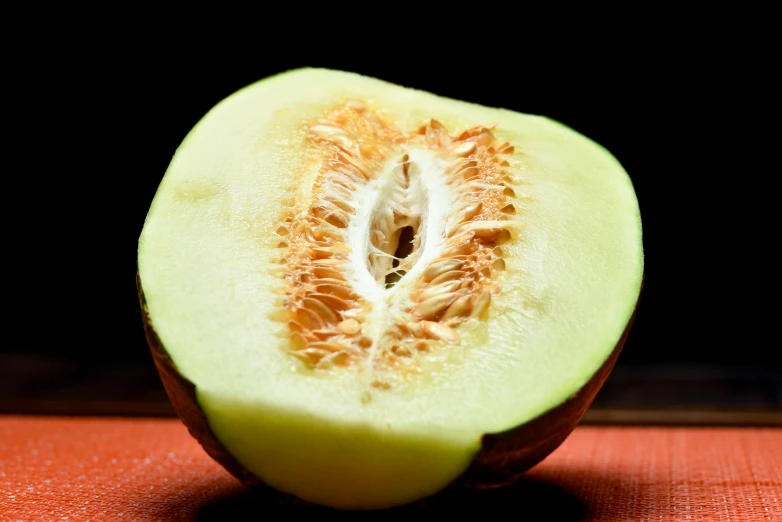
(502, 460)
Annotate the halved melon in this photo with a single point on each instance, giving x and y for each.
(358, 293)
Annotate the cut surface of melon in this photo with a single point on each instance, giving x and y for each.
(373, 428)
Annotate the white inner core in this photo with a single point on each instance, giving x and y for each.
(412, 193)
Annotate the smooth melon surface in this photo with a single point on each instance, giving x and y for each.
(206, 264)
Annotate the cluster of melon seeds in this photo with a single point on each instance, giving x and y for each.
(399, 242)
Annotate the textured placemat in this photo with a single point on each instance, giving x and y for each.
(150, 469)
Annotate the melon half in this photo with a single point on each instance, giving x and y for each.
(360, 294)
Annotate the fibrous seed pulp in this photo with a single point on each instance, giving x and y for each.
(398, 244)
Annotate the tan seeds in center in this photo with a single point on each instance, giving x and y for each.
(333, 318)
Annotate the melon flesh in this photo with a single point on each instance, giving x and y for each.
(206, 263)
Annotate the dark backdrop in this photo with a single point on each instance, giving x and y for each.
(99, 120)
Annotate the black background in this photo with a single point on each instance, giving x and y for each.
(97, 119)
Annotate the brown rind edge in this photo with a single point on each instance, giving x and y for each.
(502, 460)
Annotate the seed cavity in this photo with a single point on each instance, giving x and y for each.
(447, 276)
(349, 326)
(441, 267)
(464, 148)
(438, 331)
(439, 289)
(431, 307)
(460, 308)
(396, 245)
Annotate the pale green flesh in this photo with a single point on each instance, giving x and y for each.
(204, 258)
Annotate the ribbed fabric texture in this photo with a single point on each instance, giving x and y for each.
(151, 469)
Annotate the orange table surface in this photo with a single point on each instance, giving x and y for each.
(55, 468)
